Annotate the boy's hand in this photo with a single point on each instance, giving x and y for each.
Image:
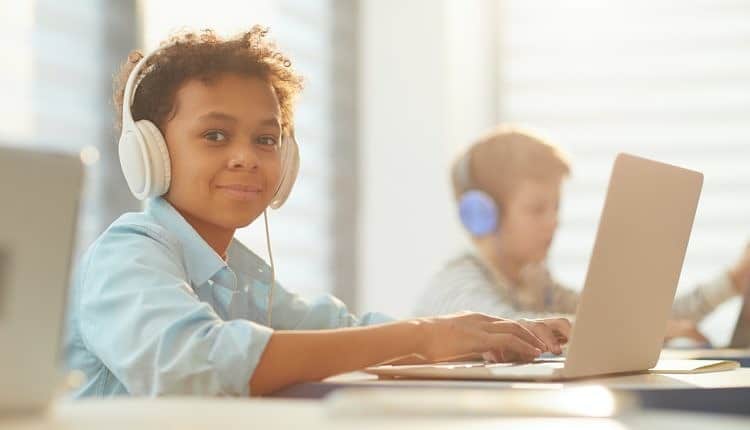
(465, 335)
(554, 332)
(684, 328)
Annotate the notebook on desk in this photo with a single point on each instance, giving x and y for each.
(630, 285)
(665, 366)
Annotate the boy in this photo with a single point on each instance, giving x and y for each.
(507, 186)
(167, 302)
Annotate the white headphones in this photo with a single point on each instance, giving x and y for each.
(145, 160)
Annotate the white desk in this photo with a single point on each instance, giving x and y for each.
(727, 391)
(737, 378)
(226, 414)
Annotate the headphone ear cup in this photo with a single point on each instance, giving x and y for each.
(136, 166)
(478, 212)
(158, 156)
(289, 171)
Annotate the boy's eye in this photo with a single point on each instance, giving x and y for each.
(215, 136)
(267, 140)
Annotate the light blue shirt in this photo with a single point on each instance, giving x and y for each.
(153, 310)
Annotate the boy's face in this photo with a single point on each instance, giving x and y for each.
(223, 141)
(529, 220)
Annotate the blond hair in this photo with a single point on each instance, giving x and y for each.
(501, 159)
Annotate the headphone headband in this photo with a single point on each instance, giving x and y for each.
(129, 93)
(462, 170)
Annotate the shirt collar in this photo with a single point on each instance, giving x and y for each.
(242, 260)
(201, 261)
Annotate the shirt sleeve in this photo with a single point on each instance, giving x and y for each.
(564, 300)
(703, 299)
(140, 316)
(294, 312)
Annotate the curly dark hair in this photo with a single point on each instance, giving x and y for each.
(204, 55)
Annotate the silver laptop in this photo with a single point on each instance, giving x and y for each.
(40, 194)
(631, 282)
(741, 336)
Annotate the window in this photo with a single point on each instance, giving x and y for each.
(668, 80)
(16, 65)
(56, 86)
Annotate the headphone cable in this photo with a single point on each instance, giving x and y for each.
(273, 270)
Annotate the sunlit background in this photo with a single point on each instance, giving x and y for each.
(394, 88)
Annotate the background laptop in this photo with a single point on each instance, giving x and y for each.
(40, 193)
(741, 336)
(630, 285)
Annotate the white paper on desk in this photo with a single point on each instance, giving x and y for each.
(693, 366)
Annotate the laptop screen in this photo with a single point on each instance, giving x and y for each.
(4, 275)
(741, 336)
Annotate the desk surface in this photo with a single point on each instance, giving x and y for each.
(147, 414)
(726, 392)
(737, 378)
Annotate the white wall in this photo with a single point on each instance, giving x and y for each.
(426, 90)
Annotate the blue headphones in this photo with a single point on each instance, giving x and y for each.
(479, 212)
